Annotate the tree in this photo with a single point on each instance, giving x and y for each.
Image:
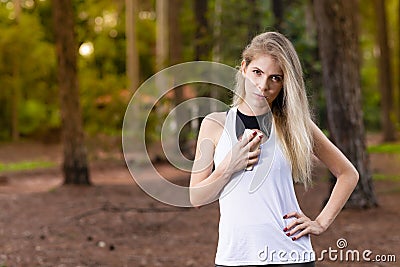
(385, 74)
(175, 33)
(175, 57)
(216, 49)
(17, 85)
(278, 10)
(132, 59)
(398, 61)
(75, 165)
(254, 24)
(337, 29)
(201, 30)
(162, 34)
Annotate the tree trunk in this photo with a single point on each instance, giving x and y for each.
(132, 56)
(398, 61)
(175, 42)
(201, 30)
(202, 44)
(216, 55)
(278, 9)
(314, 74)
(162, 34)
(175, 33)
(175, 57)
(75, 165)
(216, 50)
(16, 95)
(254, 26)
(337, 25)
(385, 74)
(15, 100)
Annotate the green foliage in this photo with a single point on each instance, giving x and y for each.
(28, 60)
(32, 115)
(394, 44)
(146, 40)
(104, 97)
(25, 165)
(385, 177)
(235, 33)
(27, 68)
(369, 71)
(370, 52)
(391, 148)
(299, 26)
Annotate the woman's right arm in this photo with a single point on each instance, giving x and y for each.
(205, 184)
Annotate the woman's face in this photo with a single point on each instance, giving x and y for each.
(263, 81)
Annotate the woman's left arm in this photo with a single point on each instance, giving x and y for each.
(347, 178)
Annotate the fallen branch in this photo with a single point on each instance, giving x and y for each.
(111, 208)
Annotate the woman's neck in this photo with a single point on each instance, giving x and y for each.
(253, 111)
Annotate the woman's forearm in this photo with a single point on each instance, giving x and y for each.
(208, 189)
(341, 192)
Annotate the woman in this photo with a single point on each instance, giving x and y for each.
(261, 222)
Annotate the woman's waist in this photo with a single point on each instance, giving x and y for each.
(257, 235)
(250, 211)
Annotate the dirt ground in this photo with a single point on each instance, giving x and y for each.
(114, 223)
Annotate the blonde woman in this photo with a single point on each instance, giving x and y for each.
(261, 223)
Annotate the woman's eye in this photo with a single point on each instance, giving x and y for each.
(257, 72)
(276, 78)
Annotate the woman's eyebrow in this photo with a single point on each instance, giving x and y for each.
(274, 74)
(279, 75)
(257, 68)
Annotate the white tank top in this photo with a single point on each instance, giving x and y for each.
(252, 205)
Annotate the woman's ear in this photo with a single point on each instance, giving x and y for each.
(243, 67)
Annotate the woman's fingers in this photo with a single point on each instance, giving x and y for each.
(302, 225)
(297, 221)
(247, 137)
(298, 227)
(253, 157)
(304, 232)
(254, 154)
(246, 152)
(291, 215)
(254, 142)
(300, 218)
(311, 227)
(252, 161)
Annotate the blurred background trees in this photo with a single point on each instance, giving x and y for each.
(338, 24)
(207, 30)
(75, 167)
(121, 43)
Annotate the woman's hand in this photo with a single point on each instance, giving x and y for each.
(242, 154)
(303, 225)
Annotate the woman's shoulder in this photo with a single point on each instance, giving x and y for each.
(217, 117)
(213, 124)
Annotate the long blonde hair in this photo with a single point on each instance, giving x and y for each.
(290, 109)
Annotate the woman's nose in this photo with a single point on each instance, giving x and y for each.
(262, 85)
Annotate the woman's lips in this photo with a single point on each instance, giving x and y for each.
(260, 95)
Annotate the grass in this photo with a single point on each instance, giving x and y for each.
(25, 165)
(389, 148)
(385, 177)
